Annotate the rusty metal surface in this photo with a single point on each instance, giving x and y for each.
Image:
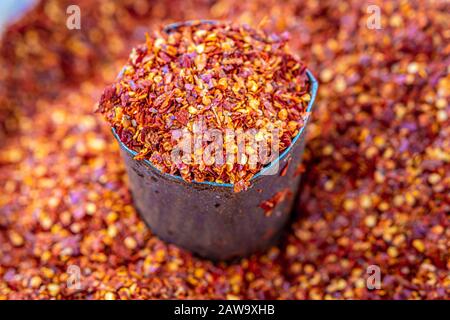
(212, 221)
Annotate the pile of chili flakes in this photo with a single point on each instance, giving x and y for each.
(207, 76)
(375, 188)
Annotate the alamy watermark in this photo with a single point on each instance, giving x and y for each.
(373, 280)
(73, 21)
(374, 19)
(204, 146)
(74, 279)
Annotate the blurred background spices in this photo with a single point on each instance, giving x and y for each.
(376, 171)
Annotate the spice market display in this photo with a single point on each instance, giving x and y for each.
(375, 176)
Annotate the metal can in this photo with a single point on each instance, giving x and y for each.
(209, 218)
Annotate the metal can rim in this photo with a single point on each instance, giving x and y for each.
(313, 93)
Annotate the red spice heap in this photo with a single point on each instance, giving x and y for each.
(375, 170)
(226, 76)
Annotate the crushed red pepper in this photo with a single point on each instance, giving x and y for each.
(376, 166)
(230, 77)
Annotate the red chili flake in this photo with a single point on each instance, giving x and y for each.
(286, 167)
(241, 185)
(269, 205)
(182, 116)
(299, 170)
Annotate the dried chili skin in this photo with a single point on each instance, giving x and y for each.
(231, 77)
(374, 175)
